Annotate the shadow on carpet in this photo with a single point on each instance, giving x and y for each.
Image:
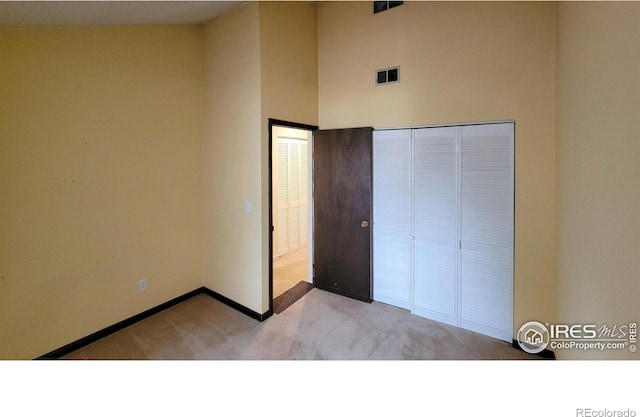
(282, 302)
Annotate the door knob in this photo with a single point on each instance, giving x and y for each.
(364, 224)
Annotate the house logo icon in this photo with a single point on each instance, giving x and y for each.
(533, 337)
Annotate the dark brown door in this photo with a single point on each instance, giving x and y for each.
(342, 186)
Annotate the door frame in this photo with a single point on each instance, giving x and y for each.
(311, 128)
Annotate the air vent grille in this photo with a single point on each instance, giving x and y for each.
(388, 76)
(381, 6)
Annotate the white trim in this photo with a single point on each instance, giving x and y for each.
(447, 125)
(310, 205)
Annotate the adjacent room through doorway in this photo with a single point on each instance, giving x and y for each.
(291, 238)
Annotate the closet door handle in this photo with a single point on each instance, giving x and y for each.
(364, 224)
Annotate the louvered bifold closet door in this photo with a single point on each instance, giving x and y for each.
(283, 197)
(292, 189)
(486, 229)
(304, 193)
(435, 224)
(392, 217)
(294, 194)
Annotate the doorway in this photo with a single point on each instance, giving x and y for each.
(290, 212)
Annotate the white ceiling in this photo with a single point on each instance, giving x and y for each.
(110, 13)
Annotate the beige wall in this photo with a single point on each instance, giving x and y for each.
(99, 132)
(460, 62)
(598, 171)
(233, 157)
(260, 63)
(289, 86)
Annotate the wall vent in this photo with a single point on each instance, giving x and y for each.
(388, 76)
(381, 6)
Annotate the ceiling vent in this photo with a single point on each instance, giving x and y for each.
(388, 76)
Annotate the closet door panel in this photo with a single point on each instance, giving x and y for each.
(391, 267)
(435, 280)
(294, 195)
(435, 176)
(292, 190)
(283, 197)
(487, 184)
(304, 193)
(435, 223)
(487, 290)
(392, 180)
(392, 217)
(486, 229)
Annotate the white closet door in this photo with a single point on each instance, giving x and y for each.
(283, 197)
(392, 217)
(486, 229)
(304, 192)
(435, 224)
(294, 195)
(292, 191)
(444, 224)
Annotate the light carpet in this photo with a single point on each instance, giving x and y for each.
(320, 325)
